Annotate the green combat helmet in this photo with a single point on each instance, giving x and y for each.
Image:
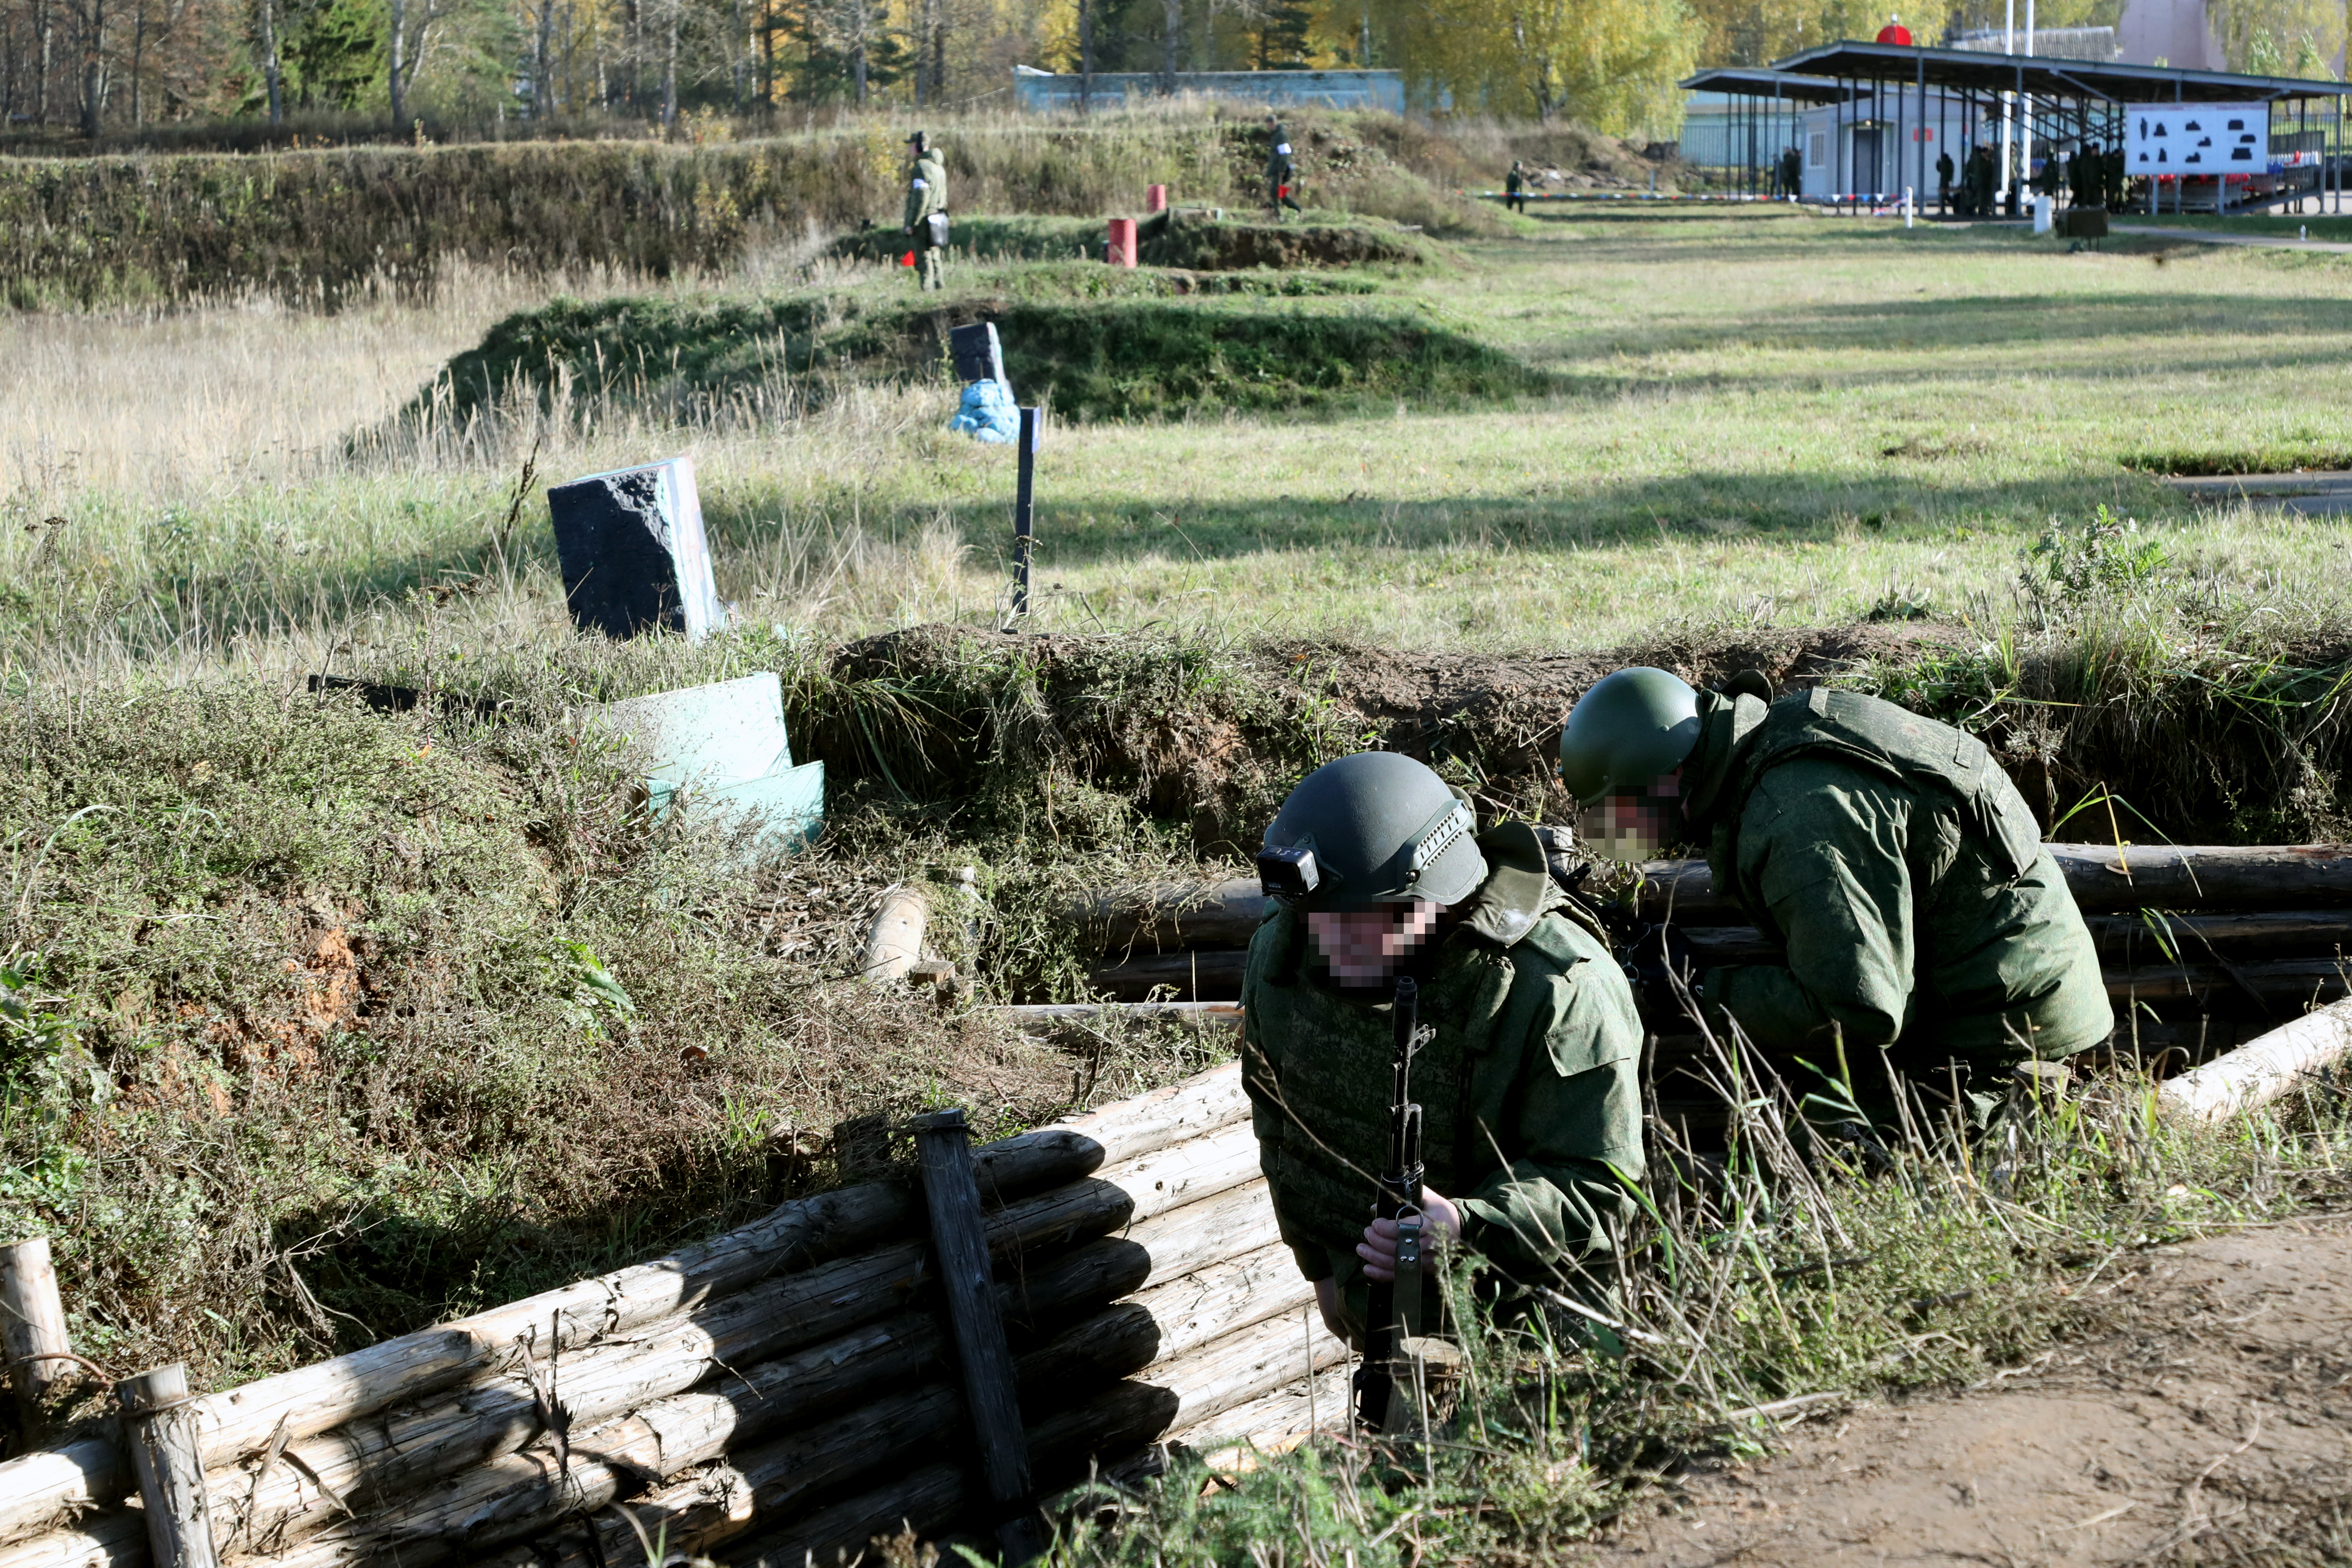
(1621, 739)
(1374, 828)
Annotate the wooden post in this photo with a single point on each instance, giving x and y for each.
(943, 1145)
(33, 1330)
(160, 1430)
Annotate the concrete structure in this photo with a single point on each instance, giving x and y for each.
(2177, 32)
(1036, 89)
(723, 750)
(632, 553)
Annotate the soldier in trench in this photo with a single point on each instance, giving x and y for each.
(1530, 1084)
(1921, 914)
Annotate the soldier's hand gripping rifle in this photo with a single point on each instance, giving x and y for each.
(1393, 1308)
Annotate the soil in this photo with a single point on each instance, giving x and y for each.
(1507, 711)
(2207, 1416)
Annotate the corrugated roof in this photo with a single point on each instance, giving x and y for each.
(1968, 70)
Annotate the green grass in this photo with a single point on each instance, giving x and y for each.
(1599, 429)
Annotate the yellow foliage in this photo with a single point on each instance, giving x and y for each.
(1610, 64)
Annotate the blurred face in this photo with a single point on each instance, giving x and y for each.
(1637, 822)
(1366, 947)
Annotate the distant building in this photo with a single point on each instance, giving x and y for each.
(2050, 43)
(1036, 89)
(2177, 32)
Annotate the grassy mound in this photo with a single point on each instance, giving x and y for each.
(319, 225)
(1195, 239)
(1115, 352)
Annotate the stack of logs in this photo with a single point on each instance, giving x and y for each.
(2201, 947)
(790, 1385)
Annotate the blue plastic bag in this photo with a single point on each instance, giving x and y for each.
(988, 413)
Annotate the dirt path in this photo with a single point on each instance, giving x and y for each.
(2209, 1421)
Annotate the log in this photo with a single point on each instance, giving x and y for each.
(50, 1487)
(1042, 1018)
(1199, 1308)
(313, 1399)
(1200, 975)
(1182, 1111)
(921, 1501)
(2103, 880)
(959, 1253)
(2173, 877)
(1185, 1241)
(1186, 1172)
(2260, 1070)
(756, 1487)
(1246, 1365)
(1274, 1423)
(378, 1466)
(2292, 980)
(2273, 933)
(161, 1433)
(117, 1539)
(33, 1332)
(1122, 1418)
(1169, 915)
(896, 939)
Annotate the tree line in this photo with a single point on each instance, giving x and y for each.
(104, 66)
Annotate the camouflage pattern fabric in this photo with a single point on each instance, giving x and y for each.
(1903, 870)
(1530, 1088)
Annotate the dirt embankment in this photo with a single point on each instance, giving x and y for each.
(2205, 1419)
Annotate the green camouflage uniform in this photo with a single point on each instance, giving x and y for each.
(927, 192)
(1896, 861)
(1530, 1088)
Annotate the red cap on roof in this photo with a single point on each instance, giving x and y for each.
(1895, 32)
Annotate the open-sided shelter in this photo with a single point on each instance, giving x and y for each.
(1874, 117)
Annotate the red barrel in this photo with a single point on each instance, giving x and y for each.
(1122, 242)
(1155, 200)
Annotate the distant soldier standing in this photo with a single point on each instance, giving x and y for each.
(1279, 172)
(1793, 175)
(1514, 188)
(927, 210)
(1944, 173)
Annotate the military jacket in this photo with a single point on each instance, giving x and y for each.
(1906, 878)
(1530, 1088)
(926, 189)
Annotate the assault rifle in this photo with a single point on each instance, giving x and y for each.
(1393, 1308)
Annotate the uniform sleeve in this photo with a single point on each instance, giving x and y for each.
(1575, 1127)
(1821, 847)
(1258, 1081)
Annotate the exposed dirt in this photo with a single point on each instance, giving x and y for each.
(1506, 712)
(2207, 1418)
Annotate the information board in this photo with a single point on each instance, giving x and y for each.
(2198, 139)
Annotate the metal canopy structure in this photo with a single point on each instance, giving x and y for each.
(1882, 111)
(1972, 71)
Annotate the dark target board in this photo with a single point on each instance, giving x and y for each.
(2198, 139)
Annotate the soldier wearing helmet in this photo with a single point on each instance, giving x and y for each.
(1528, 1086)
(1921, 913)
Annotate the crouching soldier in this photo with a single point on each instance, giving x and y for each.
(1527, 1079)
(1922, 914)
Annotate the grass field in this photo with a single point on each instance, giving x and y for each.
(1750, 418)
(344, 978)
